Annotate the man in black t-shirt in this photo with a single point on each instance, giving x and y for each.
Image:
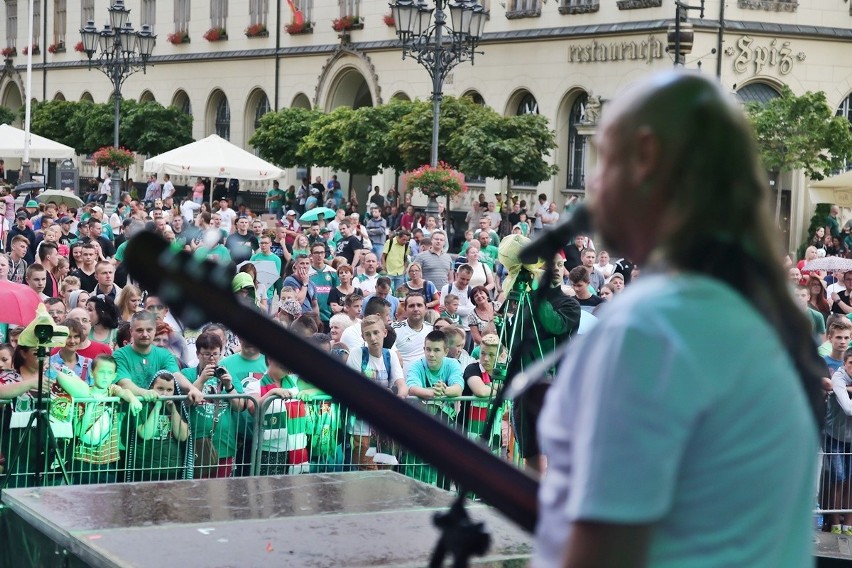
(242, 244)
(579, 277)
(349, 247)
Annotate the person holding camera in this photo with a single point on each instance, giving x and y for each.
(213, 423)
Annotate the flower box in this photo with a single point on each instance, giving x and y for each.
(347, 23)
(215, 34)
(79, 47)
(389, 20)
(178, 38)
(58, 47)
(35, 50)
(299, 28)
(8, 52)
(257, 30)
(441, 180)
(113, 158)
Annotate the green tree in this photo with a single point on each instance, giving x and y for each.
(412, 134)
(150, 128)
(799, 132)
(279, 136)
(53, 120)
(7, 115)
(356, 140)
(491, 145)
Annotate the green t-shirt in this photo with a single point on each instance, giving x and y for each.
(324, 282)
(140, 368)
(119, 252)
(276, 204)
(219, 253)
(243, 371)
(162, 456)
(201, 416)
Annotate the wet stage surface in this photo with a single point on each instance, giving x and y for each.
(372, 519)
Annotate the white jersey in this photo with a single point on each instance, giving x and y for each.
(409, 342)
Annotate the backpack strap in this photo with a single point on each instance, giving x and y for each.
(365, 359)
(386, 354)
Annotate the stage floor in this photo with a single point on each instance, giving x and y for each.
(345, 519)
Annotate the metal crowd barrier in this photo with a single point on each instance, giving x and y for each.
(100, 441)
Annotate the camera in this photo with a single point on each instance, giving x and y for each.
(219, 372)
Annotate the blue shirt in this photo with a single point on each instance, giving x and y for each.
(419, 374)
(307, 304)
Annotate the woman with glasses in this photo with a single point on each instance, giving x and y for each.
(416, 283)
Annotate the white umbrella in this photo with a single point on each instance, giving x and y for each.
(213, 157)
(829, 263)
(12, 145)
(59, 196)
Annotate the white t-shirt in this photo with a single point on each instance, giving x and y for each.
(168, 189)
(376, 372)
(409, 342)
(228, 216)
(188, 209)
(367, 283)
(681, 410)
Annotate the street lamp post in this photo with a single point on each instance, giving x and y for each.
(681, 34)
(437, 46)
(118, 51)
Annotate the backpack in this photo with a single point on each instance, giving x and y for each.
(365, 359)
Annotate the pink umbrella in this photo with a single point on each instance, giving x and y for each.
(18, 303)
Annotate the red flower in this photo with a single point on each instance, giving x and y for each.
(389, 20)
(79, 47)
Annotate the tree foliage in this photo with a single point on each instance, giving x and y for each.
(7, 115)
(472, 138)
(279, 136)
(800, 132)
(146, 128)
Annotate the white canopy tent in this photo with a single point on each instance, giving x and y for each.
(212, 157)
(836, 189)
(12, 145)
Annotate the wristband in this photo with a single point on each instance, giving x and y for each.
(229, 391)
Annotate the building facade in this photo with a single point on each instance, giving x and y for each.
(563, 59)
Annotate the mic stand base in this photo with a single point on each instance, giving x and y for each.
(461, 538)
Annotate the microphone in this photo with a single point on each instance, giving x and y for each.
(549, 241)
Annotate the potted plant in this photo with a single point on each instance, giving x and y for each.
(441, 180)
(257, 30)
(216, 34)
(114, 158)
(347, 23)
(58, 47)
(35, 50)
(296, 28)
(389, 20)
(178, 37)
(79, 47)
(8, 52)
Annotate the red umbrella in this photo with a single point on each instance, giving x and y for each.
(18, 303)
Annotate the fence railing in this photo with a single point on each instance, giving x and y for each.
(100, 441)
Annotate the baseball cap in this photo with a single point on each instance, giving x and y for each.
(289, 212)
(291, 307)
(31, 204)
(64, 220)
(98, 209)
(325, 230)
(21, 216)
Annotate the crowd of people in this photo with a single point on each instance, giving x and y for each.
(382, 291)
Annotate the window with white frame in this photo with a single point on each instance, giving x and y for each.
(223, 119)
(219, 14)
(350, 8)
(578, 6)
(149, 13)
(11, 23)
(87, 12)
(258, 10)
(576, 145)
(306, 7)
(181, 16)
(523, 9)
(845, 108)
(37, 22)
(60, 21)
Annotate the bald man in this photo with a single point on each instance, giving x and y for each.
(672, 431)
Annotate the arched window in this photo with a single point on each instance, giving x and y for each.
(760, 93)
(261, 109)
(576, 145)
(181, 101)
(845, 108)
(528, 105)
(223, 119)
